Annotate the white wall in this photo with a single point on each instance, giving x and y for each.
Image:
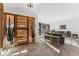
(72, 25)
(20, 8)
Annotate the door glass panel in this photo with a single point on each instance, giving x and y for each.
(9, 30)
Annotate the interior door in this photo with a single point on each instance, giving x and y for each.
(21, 30)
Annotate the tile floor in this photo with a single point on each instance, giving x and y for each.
(37, 49)
(40, 48)
(70, 48)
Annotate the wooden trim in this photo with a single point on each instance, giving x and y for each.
(1, 22)
(15, 14)
(28, 30)
(15, 32)
(4, 41)
(18, 14)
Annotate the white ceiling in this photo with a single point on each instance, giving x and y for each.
(52, 12)
(55, 12)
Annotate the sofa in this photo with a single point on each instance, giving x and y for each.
(56, 37)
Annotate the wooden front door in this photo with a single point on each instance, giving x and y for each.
(20, 30)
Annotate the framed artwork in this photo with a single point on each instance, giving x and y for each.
(63, 27)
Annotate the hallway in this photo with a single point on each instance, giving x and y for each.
(37, 49)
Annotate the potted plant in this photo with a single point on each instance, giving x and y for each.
(9, 34)
(33, 35)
